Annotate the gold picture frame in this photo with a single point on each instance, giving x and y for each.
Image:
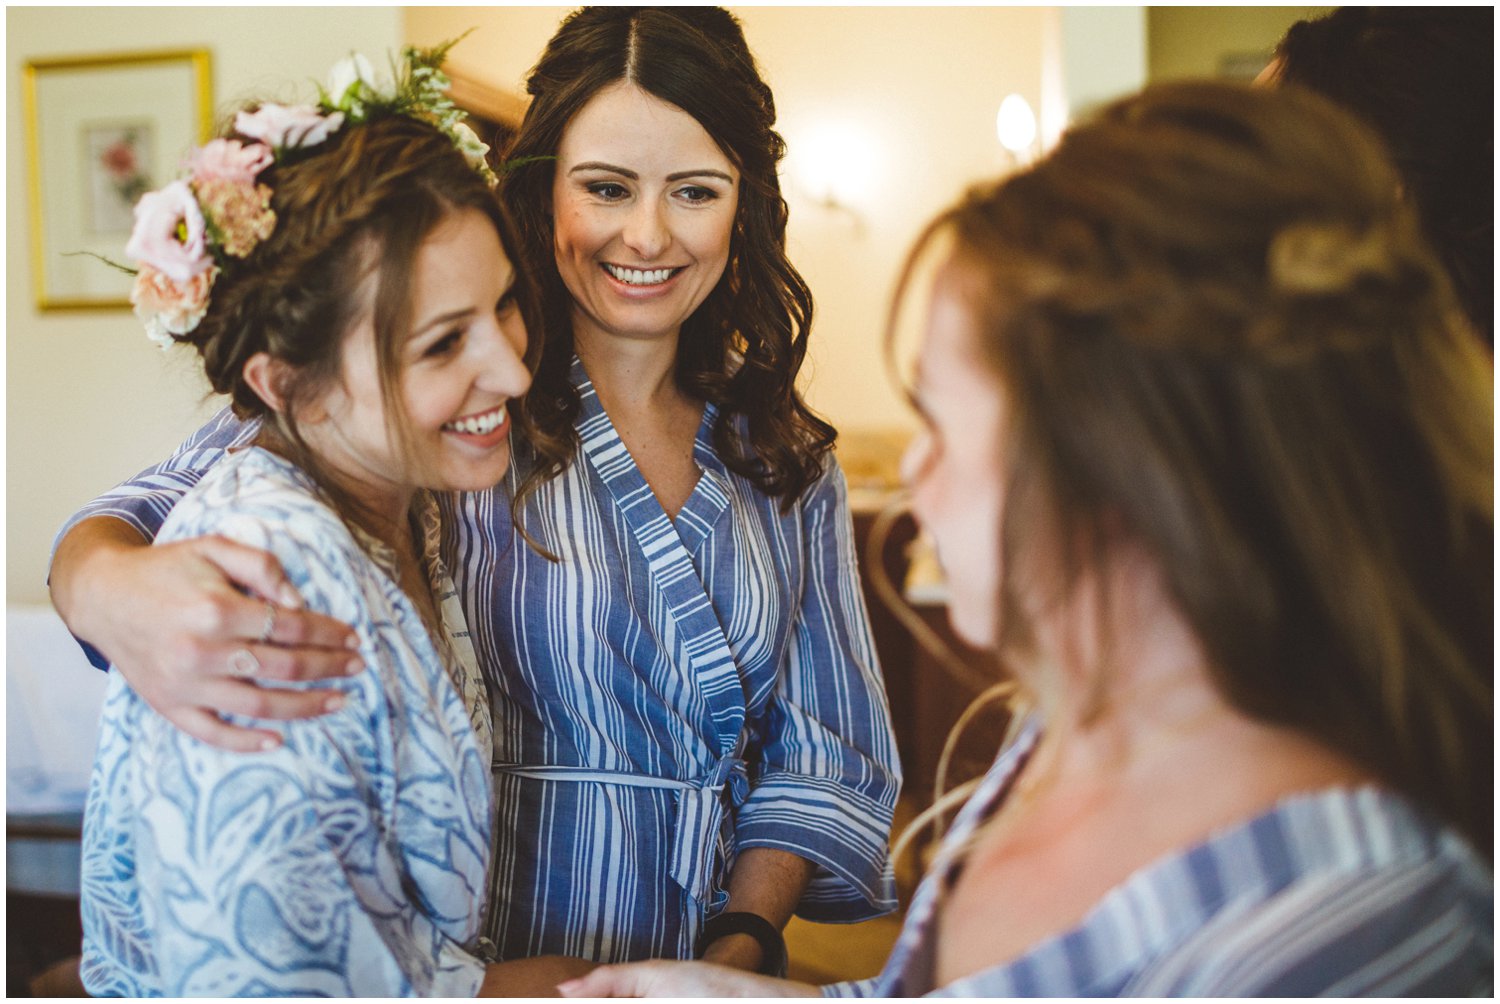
(100, 131)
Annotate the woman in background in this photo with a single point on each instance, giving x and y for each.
(1423, 77)
(1208, 464)
(691, 737)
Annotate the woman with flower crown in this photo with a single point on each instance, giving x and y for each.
(692, 740)
(342, 272)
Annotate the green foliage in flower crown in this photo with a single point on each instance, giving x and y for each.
(420, 92)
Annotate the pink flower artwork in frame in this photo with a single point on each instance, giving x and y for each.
(119, 156)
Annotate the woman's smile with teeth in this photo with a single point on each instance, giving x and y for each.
(641, 276)
(478, 425)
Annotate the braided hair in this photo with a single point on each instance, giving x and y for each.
(1220, 334)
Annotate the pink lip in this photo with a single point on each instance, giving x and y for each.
(643, 292)
(493, 438)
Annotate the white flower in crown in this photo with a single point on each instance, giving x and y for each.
(170, 308)
(470, 145)
(287, 127)
(346, 78)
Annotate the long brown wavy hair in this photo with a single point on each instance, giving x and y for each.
(358, 205)
(743, 347)
(1221, 333)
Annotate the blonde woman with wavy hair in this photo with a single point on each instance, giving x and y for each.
(1207, 460)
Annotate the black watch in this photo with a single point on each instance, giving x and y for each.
(772, 945)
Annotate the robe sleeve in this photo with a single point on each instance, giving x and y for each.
(144, 500)
(853, 988)
(828, 771)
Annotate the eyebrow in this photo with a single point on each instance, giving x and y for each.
(702, 172)
(462, 312)
(441, 319)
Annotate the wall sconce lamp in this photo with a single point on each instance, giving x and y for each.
(1015, 124)
(833, 166)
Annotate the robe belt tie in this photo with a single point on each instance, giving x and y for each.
(700, 814)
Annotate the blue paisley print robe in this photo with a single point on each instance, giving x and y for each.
(351, 860)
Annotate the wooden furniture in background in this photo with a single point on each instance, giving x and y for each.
(927, 697)
(41, 905)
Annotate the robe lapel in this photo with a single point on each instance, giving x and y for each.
(667, 556)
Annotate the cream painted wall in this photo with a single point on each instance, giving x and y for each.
(89, 400)
(919, 88)
(503, 44)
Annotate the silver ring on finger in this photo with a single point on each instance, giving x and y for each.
(270, 624)
(242, 662)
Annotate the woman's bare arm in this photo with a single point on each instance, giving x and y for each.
(766, 882)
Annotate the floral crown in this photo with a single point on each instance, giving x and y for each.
(187, 231)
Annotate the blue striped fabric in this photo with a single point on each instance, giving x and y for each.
(1341, 892)
(726, 651)
(669, 693)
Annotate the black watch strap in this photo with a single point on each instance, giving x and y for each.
(772, 945)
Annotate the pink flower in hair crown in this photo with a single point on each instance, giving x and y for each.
(167, 307)
(239, 214)
(184, 233)
(287, 127)
(229, 160)
(169, 233)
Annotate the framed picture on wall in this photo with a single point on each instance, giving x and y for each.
(100, 132)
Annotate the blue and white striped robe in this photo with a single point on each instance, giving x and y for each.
(1341, 892)
(668, 694)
